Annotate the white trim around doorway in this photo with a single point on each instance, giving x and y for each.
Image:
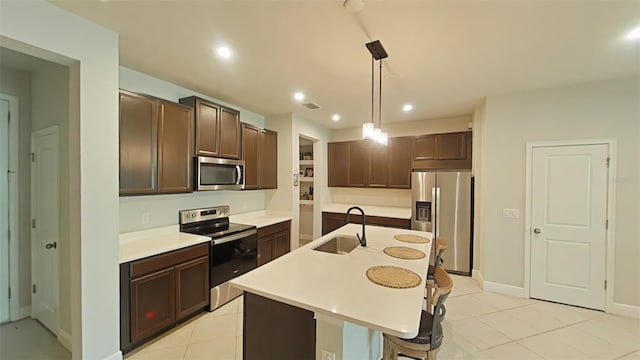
(611, 204)
(15, 312)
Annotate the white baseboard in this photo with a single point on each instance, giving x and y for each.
(64, 338)
(24, 311)
(115, 356)
(625, 310)
(503, 289)
(477, 276)
(305, 237)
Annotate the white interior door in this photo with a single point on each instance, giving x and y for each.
(4, 211)
(568, 224)
(44, 231)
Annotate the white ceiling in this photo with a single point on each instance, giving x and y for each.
(444, 56)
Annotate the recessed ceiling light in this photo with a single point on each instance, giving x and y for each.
(335, 117)
(298, 96)
(224, 52)
(634, 34)
(407, 107)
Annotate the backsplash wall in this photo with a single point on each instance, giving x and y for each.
(368, 196)
(162, 210)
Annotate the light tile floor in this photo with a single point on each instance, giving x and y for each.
(27, 339)
(478, 325)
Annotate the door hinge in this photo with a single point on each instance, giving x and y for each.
(9, 234)
(9, 114)
(9, 293)
(608, 161)
(33, 223)
(33, 157)
(605, 284)
(606, 224)
(33, 290)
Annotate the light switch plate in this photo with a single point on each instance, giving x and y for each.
(326, 355)
(511, 213)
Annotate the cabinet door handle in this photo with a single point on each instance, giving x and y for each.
(536, 231)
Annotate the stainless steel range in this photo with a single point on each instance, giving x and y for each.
(233, 249)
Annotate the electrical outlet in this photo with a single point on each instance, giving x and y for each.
(511, 213)
(328, 355)
(145, 218)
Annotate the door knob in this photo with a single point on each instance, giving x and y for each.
(536, 231)
(51, 245)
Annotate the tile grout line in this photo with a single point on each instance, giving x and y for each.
(627, 354)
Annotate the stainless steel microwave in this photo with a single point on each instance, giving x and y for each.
(218, 174)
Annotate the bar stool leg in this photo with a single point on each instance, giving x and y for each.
(430, 289)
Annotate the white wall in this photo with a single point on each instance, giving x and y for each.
(478, 172)
(18, 83)
(392, 197)
(163, 210)
(286, 198)
(607, 109)
(44, 30)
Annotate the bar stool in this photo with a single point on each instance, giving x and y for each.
(427, 343)
(441, 246)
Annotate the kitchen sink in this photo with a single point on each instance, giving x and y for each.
(339, 245)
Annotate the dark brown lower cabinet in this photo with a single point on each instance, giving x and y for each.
(332, 221)
(273, 241)
(192, 287)
(274, 330)
(160, 291)
(150, 312)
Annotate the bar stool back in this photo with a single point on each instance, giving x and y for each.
(429, 339)
(441, 246)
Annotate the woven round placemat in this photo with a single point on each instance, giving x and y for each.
(393, 277)
(402, 252)
(415, 239)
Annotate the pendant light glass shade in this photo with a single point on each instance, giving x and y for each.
(377, 135)
(367, 130)
(384, 138)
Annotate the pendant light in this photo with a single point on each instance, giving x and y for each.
(368, 128)
(369, 131)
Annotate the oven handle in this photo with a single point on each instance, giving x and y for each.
(233, 237)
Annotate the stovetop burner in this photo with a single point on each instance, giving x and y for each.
(212, 222)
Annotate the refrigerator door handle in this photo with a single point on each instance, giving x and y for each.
(437, 214)
(435, 192)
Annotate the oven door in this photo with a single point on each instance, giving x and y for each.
(232, 256)
(219, 174)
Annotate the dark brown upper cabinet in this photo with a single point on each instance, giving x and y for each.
(378, 166)
(399, 159)
(358, 159)
(362, 163)
(217, 129)
(268, 165)
(338, 164)
(348, 164)
(155, 145)
(442, 151)
(260, 155)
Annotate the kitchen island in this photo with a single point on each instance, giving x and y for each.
(309, 302)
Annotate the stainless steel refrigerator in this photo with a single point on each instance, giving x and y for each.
(441, 203)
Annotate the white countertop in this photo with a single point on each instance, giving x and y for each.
(261, 218)
(140, 244)
(384, 211)
(337, 285)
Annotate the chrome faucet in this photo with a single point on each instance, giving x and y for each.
(363, 239)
